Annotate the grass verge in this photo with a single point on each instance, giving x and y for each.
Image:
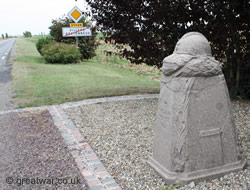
(37, 84)
(152, 72)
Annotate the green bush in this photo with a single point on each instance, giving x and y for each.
(87, 45)
(42, 42)
(61, 53)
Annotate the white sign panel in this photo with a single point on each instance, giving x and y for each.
(75, 14)
(76, 31)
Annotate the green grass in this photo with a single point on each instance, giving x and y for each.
(99, 35)
(38, 84)
(142, 69)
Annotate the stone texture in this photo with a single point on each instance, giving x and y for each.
(195, 136)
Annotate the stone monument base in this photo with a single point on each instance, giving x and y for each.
(197, 176)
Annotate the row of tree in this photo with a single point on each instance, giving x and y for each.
(27, 34)
(151, 28)
(5, 36)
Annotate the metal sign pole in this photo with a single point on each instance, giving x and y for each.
(77, 42)
(76, 29)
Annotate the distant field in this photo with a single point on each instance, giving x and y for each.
(37, 83)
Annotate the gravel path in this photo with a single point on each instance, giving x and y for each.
(121, 134)
(32, 151)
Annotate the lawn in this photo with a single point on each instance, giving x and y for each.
(37, 83)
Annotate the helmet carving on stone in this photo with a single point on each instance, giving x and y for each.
(193, 43)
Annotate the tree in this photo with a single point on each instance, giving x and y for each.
(6, 35)
(151, 28)
(27, 34)
(2, 36)
(87, 45)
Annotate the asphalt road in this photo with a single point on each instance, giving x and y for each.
(5, 47)
(5, 74)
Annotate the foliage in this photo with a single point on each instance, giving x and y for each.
(2, 36)
(118, 61)
(6, 35)
(61, 53)
(41, 42)
(27, 34)
(87, 45)
(151, 29)
(38, 84)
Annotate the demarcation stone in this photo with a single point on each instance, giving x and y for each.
(195, 134)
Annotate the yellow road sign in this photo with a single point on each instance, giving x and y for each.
(76, 24)
(75, 14)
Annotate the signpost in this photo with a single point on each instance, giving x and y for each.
(75, 14)
(76, 24)
(76, 31)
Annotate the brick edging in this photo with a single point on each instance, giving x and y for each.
(108, 99)
(94, 172)
(86, 102)
(91, 168)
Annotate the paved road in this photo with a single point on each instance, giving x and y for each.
(5, 47)
(5, 74)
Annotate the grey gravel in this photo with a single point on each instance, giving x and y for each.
(121, 134)
(32, 148)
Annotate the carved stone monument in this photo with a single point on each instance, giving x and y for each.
(195, 135)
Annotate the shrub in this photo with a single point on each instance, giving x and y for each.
(61, 53)
(87, 45)
(41, 42)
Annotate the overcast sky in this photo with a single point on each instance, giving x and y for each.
(17, 16)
